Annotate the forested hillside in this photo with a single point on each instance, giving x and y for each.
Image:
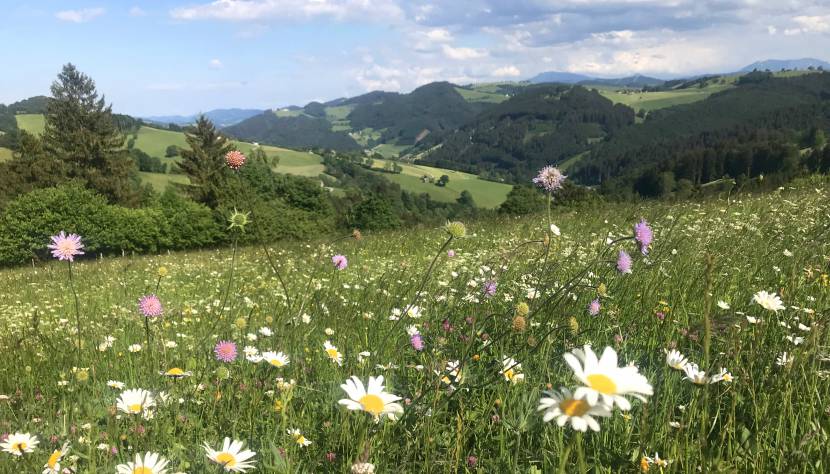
(544, 124)
(292, 132)
(752, 130)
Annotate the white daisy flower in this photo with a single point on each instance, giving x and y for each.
(676, 360)
(769, 301)
(564, 407)
(53, 464)
(511, 370)
(333, 353)
(695, 375)
(371, 399)
(136, 401)
(115, 384)
(603, 379)
(231, 456)
(277, 359)
(299, 438)
(152, 463)
(18, 444)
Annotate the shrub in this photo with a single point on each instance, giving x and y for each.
(170, 223)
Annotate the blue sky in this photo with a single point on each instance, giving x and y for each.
(176, 57)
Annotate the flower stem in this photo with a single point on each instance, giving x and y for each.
(77, 310)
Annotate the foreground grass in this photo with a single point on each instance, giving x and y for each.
(770, 418)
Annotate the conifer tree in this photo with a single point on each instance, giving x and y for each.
(80, 132)
(204, 163)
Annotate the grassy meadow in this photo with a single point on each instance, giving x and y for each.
(487, 194)
(468, 339)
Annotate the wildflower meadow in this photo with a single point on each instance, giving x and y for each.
(653, 337)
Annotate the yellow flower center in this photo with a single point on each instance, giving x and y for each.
(602, 384)
(573, 407)
(226, 459)
(53, 459)
(300, 439)
(175, 372)
(332, 353)
(279, 363)
(134, 408)
(142, 470)
(19, 447)
(509, 374)
(372, 403)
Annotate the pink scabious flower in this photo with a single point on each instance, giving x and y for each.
(489, 288)
(340, 262)
(65, 247)
(549, 178)
(235, 159)
(643, 235)
(150, 306)
(624, 262)
(450, 253)
(417, 342)
(593, 307)
(225, 351)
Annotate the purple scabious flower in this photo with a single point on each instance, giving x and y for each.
(150, 306)
(643, 235)
(624, 262)
(549, 178)
(65, 247)
(450, 253)
(225, 351)
(593, 307)
(340, 262)
(490, 288)
(417, 342)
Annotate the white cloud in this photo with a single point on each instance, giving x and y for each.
(216, 64)
(462, 54)
(507, 71)
(79, 16)
(809, 24)
(439, 35)
(259, 10)
(137, 11)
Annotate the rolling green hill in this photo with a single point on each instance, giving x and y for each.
(487, 194)
(32, 123)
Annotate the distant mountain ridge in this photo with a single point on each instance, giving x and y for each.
(221, 117)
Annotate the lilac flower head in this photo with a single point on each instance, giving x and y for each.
(593, 308)
(417, 342)
(624, 262)
(643, 235)
(150, 306)
(490, 288)
(340, 262)
(549, 178)
(225, 351)
(65, 247)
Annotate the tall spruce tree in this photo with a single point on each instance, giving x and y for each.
(204, 163)
(80, 132)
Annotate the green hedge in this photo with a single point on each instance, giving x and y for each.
(170, 223)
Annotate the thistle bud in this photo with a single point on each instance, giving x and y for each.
(519, 323)
(574, 325)
(456, 229)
